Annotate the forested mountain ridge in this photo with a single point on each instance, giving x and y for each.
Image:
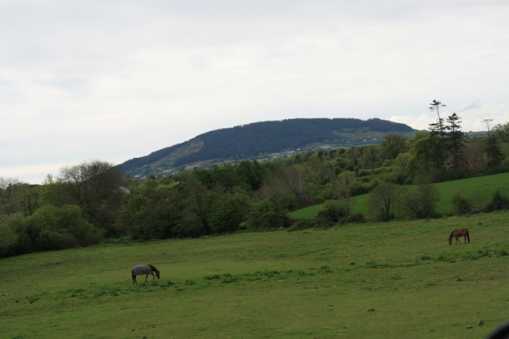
(263, 139)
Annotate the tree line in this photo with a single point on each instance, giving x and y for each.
(93, 201)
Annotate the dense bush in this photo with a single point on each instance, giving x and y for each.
(498, 202)
(461, 205)
(8, 238)
(420, 202)
(153, 211)
(334, 212)
(267, 214)
(50, 228)
(228, 212)
(383, 201)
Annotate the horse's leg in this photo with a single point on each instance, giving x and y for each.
(146, 277)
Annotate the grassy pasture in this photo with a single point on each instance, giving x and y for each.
(391, 280)
(478, 190)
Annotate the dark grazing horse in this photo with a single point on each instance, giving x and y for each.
(460, 232)
(147, 269)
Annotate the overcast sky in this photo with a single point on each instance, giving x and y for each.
(111, 80)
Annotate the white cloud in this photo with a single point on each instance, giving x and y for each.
(116, 79)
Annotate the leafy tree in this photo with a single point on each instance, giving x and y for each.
(19, 198)
(420, 202)
(382, 201)
(393, 145)
(97, 187)
(498, 202)
(267, 214)
(153, 210)
(461, 204)
(455, 143)
(8, 238)
(53, 227)
(494, 155)
(228, 211)
(429, 155)
(334, 212)
(251, 173)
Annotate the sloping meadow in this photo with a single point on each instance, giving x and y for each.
(397, 280)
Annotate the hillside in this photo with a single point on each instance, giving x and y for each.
(478, 190)
(262, 140)
(387, 280)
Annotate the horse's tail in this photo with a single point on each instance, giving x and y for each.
(133, 276)
(450, 237)
(467, 235)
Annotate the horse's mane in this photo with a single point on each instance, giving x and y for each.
(153, 267)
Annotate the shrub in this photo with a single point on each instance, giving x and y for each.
(461, 205)
(334, 212)
(267, 214)
(53, 228)
(8, 239)
(356, 218)
(382, 201)
(420, 202)
(498, 202)
(228, 212)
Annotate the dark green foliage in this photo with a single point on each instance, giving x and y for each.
(455, 143)
(498, 202)
(19, 198)
(334, 212)
(461, 205)
(393, 145)
(494, 155)
(420, 202)
(430, 154)
(53, 228)
(383, 201)
(8, 237)
(153, 210)
(267, 214)
(94, 186)
(228, 212)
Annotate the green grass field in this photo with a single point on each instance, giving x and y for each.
(392, 280)
(478, 190)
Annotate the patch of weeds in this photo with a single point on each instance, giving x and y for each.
(376, 264)
(76, 292)
(32, 299)
(228, 278)
(325, 269)
(213, 277)
(169, 283)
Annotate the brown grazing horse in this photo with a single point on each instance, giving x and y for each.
(460, 232)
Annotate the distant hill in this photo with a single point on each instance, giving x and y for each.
(263, 140)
